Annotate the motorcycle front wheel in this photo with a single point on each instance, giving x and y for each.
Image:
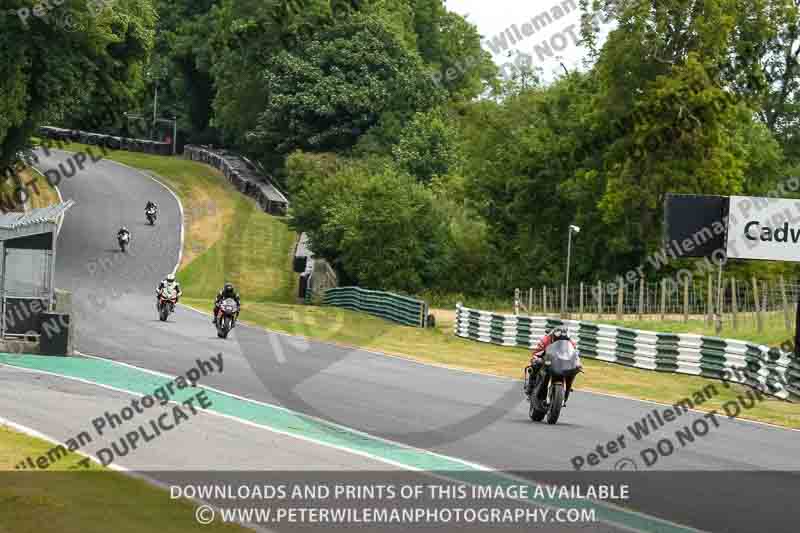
(556, 402)
(224, 328)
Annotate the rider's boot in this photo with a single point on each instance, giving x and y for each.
(529, 377)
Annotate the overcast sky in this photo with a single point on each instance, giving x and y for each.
(494, 17)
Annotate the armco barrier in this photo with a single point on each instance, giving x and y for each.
(243, 176)
(402, 309)
(750, 364)
(109, 141)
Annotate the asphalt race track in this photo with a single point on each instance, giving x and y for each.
(472, 417)
(195, 446)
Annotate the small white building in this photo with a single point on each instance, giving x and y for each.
(27, 268)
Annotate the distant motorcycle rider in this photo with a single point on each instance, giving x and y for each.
(151, 205)
(169, 284)
(552, 335)
(123, 231)
(228, 291)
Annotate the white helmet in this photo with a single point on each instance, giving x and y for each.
(171, 278)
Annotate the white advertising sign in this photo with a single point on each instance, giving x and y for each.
(764, 228)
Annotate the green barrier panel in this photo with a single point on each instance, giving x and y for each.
(389, 306)
(663, 352)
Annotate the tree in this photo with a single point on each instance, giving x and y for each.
(337, 86)
(51, 70)
(181, 66)
(750, 48)
(452, 46)
(671, 122)
(375, 225)
(247, 33)
(427, 146)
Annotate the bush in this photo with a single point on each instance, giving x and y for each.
(376, 225)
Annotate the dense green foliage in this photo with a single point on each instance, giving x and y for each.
(68, 62)
(410, 163)
(369, 206)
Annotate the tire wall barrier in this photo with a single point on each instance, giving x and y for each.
(108, 141)
(242, 174)
(767, 369)
(394, 307)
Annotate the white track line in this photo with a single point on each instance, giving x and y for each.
(302, 415)
(174, 195)
(25, 430)
(387, 461)
(230, 417)
(395, 356)
(145, 174)
(351, 347)
(368, 455)
(33, 433)
(483, 374)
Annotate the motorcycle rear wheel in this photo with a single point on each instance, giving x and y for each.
(536, 409)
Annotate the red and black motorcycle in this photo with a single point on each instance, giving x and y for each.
(226, 319)
(553, 381)
(166, 303)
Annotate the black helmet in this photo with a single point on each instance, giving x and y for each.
(228, 287)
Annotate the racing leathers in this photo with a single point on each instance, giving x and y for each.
(171, 286)
(537, 356)
(224, 294)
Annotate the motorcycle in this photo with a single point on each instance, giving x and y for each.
(226, 318)
(124, 241)
(151, 216)
(166, 303)
(553, 383)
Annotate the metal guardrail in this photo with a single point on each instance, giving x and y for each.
(242, 176)
(109, 141)
(401, 309)
(761, 367)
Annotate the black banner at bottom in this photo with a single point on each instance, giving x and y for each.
(742, 501)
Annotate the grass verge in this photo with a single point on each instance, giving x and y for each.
(227, 236)
(773, 333)
(69, 498)
(42, 193)
(440, 346)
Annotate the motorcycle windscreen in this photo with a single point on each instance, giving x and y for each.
(229, 304)
(168, 293)
(563, 357)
